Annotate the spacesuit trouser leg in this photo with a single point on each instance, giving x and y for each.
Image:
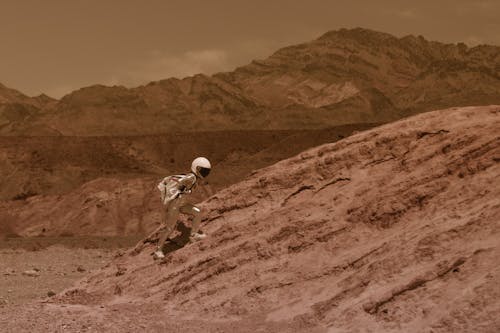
(195, 212)
(171, 215)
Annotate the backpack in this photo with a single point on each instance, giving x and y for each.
(169, 185)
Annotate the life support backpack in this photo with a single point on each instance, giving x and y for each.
(169, 185)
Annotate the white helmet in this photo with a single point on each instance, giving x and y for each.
(201, 167)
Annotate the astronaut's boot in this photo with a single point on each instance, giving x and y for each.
(158, 254)
(197, 236)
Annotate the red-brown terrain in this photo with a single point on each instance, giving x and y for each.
(393, 229)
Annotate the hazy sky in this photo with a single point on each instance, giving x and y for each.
(55, 46)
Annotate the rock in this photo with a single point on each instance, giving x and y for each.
(120, 271)
(50, 293)
(81, 269)
(31, 273)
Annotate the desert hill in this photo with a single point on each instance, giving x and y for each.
(343, 77)
(392, 229)
(17, 108)
(106, 186)
(10, 96)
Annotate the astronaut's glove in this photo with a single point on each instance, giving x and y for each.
(183, 190)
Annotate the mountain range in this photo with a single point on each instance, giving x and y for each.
(343, 77)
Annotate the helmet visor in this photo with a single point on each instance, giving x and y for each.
(203, 171)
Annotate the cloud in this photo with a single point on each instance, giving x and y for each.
(59, 91)
(159, 65)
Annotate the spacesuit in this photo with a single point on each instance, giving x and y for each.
(173, 190)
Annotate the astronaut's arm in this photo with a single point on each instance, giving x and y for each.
(173, 193)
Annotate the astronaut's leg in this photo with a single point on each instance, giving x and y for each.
(171, 215)
(195, 212)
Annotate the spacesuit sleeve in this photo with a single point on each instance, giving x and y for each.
(174, 193)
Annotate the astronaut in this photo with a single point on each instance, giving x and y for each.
(173, 190)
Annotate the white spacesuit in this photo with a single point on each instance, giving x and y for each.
(173, 190)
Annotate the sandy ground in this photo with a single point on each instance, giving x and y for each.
(37, 268)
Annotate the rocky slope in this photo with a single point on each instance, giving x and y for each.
(345, 76)
(392, 229)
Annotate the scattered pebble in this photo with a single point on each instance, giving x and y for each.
(120, 271)
(31, 273)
